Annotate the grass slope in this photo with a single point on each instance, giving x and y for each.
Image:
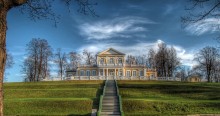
(51, 98)
(169, 98)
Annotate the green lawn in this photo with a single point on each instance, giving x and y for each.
(51, 98)
(169, 98)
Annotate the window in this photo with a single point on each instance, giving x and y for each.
(134, 73)
(102, 61)
(111, 61)
(141, 73)
(101, 72)
(94, 73)
(87, 73)
(120, 73)
(152, 76)
(119, 60)
(128, 74)
(81, 72)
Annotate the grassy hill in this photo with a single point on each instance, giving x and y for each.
(169, 98)
(51, 98)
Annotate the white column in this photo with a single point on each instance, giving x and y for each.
(144, 73)
(77, 71)
(99, 74)
(107, 72)
(115, 73)
(103, 72)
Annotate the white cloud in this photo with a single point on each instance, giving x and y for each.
(186, 57)
(118, 27)
(204, 26)
(140, 48)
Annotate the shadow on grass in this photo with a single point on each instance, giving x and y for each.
(79, 115)
(198, 91)
(95, 104)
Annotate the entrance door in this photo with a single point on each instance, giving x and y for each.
(111, 74)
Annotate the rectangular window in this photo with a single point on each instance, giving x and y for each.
(128, 74)
(87, 73)
(134, 73)
(94, 73)
(101, 73)
(152, 76)
(141, 73)
(120, 73)
(102, 61)
(119, 60)
(81, 72)
(111, 61)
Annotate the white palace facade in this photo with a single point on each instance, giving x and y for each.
(111, 64)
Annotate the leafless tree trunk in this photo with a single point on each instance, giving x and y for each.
(89, 57)
(151, 59)
(37, 9)
(61, 61)
(165, 60)
(3, 29)
(39, 51)
(207, 58)
(131, 60)
(74, 59)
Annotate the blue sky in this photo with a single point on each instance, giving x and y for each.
(130, 26)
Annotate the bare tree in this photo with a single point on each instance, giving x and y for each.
(182, 73)
(151, 59)
(37, 9)
(61, 61)
(201, 11)
(9, 60)
(172, 61)
(90, 59)
(207, 59)
(28, 69)
(141, 59)
(39, 54)
(9, 64)
(165, 60)
(131, 60)
(74, 59)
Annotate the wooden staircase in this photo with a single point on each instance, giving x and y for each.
(110, 102)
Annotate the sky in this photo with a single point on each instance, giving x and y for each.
(129, 26)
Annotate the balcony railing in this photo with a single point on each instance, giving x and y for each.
(119, 64)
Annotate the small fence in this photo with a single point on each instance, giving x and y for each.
(114, 78)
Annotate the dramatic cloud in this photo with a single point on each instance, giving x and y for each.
(124, 27)
(204, 26)
(140, 48)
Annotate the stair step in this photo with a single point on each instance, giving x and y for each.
(112, 100)
(111, 113)
(110, 103)
(110, 108)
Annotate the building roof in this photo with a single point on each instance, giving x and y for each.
(110, 51)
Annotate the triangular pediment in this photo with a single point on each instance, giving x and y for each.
(111, 51)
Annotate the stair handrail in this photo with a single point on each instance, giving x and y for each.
(101, 99)
(119, 98)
